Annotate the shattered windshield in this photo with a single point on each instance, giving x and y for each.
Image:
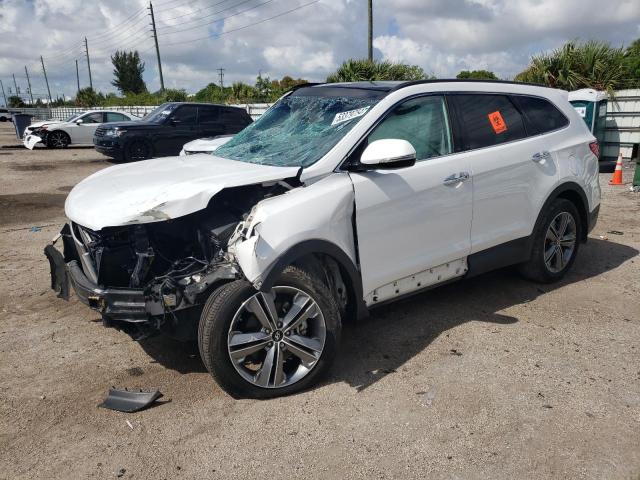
(297, 131)
(159, 114)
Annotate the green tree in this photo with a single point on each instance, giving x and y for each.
(15, 101)
(477, 75)
(127, 72)
(591, 64)
(354, 70)
(88, 97)
(632, 64)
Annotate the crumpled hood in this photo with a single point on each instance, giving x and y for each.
(160, 189)
(43, 123)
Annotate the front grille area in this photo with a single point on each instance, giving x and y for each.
(100, 132)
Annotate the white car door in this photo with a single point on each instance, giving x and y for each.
(512, 172)
(82, 130)
(411, 222)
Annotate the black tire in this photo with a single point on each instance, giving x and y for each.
(137, 150)
(3, 119)
(536, 268)
(215, 322)
(58, 139)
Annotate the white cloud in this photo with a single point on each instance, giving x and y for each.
(442, 36)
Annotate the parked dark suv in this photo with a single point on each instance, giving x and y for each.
(166, 129)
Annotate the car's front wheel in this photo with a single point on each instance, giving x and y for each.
(267, 344)
(138, 150)
(58, 139)
(556, 240)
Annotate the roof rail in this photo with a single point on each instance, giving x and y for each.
(464, 80)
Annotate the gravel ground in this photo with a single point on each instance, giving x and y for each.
(492, 377)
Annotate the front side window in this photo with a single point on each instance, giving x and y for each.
(186, 115)
(160, 114)
(298, 130)
(485, 120)
(539, 114)
(422, 122)
(209, 115)
(92, 118)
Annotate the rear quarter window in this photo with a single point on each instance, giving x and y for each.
(484, 120)
(540, 115)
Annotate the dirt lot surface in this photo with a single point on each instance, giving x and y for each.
(492, 378)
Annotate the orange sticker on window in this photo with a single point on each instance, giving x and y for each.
(497, 122)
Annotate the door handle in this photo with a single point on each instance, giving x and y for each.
(456, 178)
(540, 157)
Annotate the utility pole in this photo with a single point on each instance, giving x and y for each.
(86, 47)
(44, 70)
(6, 104)
(77, 75)
(155, 38)
(221, 74)
(370, 36)
(29, 84)
(15, 84)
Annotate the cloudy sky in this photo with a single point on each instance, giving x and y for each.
(301, 38)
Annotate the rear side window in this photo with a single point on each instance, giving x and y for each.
(115, 117)
(486, 120)
(540, 115)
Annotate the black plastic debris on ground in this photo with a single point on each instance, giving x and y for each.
(129, 400)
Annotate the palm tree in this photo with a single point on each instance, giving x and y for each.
(591, 64)
(354, 70)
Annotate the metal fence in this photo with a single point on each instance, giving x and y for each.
(622, 126)
(62, 113)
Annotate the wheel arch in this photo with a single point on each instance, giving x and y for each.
(575, 194)
(314, 251)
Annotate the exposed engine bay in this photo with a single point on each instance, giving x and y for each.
(157, 275)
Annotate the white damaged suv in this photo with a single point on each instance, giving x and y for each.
(339, 198)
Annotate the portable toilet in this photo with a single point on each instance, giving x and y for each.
(592, 106)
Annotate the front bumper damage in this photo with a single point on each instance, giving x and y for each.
(172, 306)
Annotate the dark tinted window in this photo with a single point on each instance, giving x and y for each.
(186, 114)
(539, 114)
(486, 120)
(209, 115)
(115, 117)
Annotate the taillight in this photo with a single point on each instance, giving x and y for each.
(595, 148)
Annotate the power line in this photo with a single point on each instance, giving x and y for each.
(217, 35)
(218, 19)
(195, 11)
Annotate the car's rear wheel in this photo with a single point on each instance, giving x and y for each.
(138, 150)
(556, 242)
(58, 139)
(268, 344)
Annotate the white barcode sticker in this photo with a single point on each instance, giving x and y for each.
(349, 115)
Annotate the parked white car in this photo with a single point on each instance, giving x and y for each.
(340, 198)
(75, 130)
(204, 145)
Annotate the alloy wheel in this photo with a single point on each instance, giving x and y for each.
(58, 139)
(560, 242)
(276, 338)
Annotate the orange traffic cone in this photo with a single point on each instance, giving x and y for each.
(616, 179)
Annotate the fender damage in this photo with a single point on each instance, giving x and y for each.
(155, 271)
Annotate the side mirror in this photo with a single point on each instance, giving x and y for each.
(388, 154)
(78, 122)
(174, 122)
